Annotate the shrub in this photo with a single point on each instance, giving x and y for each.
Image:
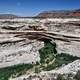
(5, 73)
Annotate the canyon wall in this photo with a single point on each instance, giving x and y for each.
(18, 48)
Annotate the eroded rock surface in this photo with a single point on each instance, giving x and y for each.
(23, 48)
(14, 50)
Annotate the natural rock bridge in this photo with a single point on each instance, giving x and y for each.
(15, 44)
(46, 34)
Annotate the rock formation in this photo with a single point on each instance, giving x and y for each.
(18, 45)
(21, 39)
(60, 13)
(8, 16)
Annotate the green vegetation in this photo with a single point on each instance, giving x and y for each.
(37, 70)
(50, 59)
(5, 73)
(48, 52)
(60, 77)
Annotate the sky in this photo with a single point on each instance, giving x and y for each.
(33, 7)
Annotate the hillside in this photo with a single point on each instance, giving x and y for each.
(60, 13)
(8, 16)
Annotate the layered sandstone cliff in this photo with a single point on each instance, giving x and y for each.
(60, 13)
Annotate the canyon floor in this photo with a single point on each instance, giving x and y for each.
(35, 49)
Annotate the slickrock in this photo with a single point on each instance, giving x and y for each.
(63, 31)
(14, 50)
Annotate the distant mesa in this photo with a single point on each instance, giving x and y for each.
(60, 13)
(11, 16)
(8, 16)
(48, 14)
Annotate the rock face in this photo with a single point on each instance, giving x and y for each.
(66, 34)
(17, 48)
(20, 47)
(60, 13)
(18, 51)
(20, 40)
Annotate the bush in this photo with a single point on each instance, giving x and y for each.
(5, 73)
(60, 77)
(37, 70)
(48, 51)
